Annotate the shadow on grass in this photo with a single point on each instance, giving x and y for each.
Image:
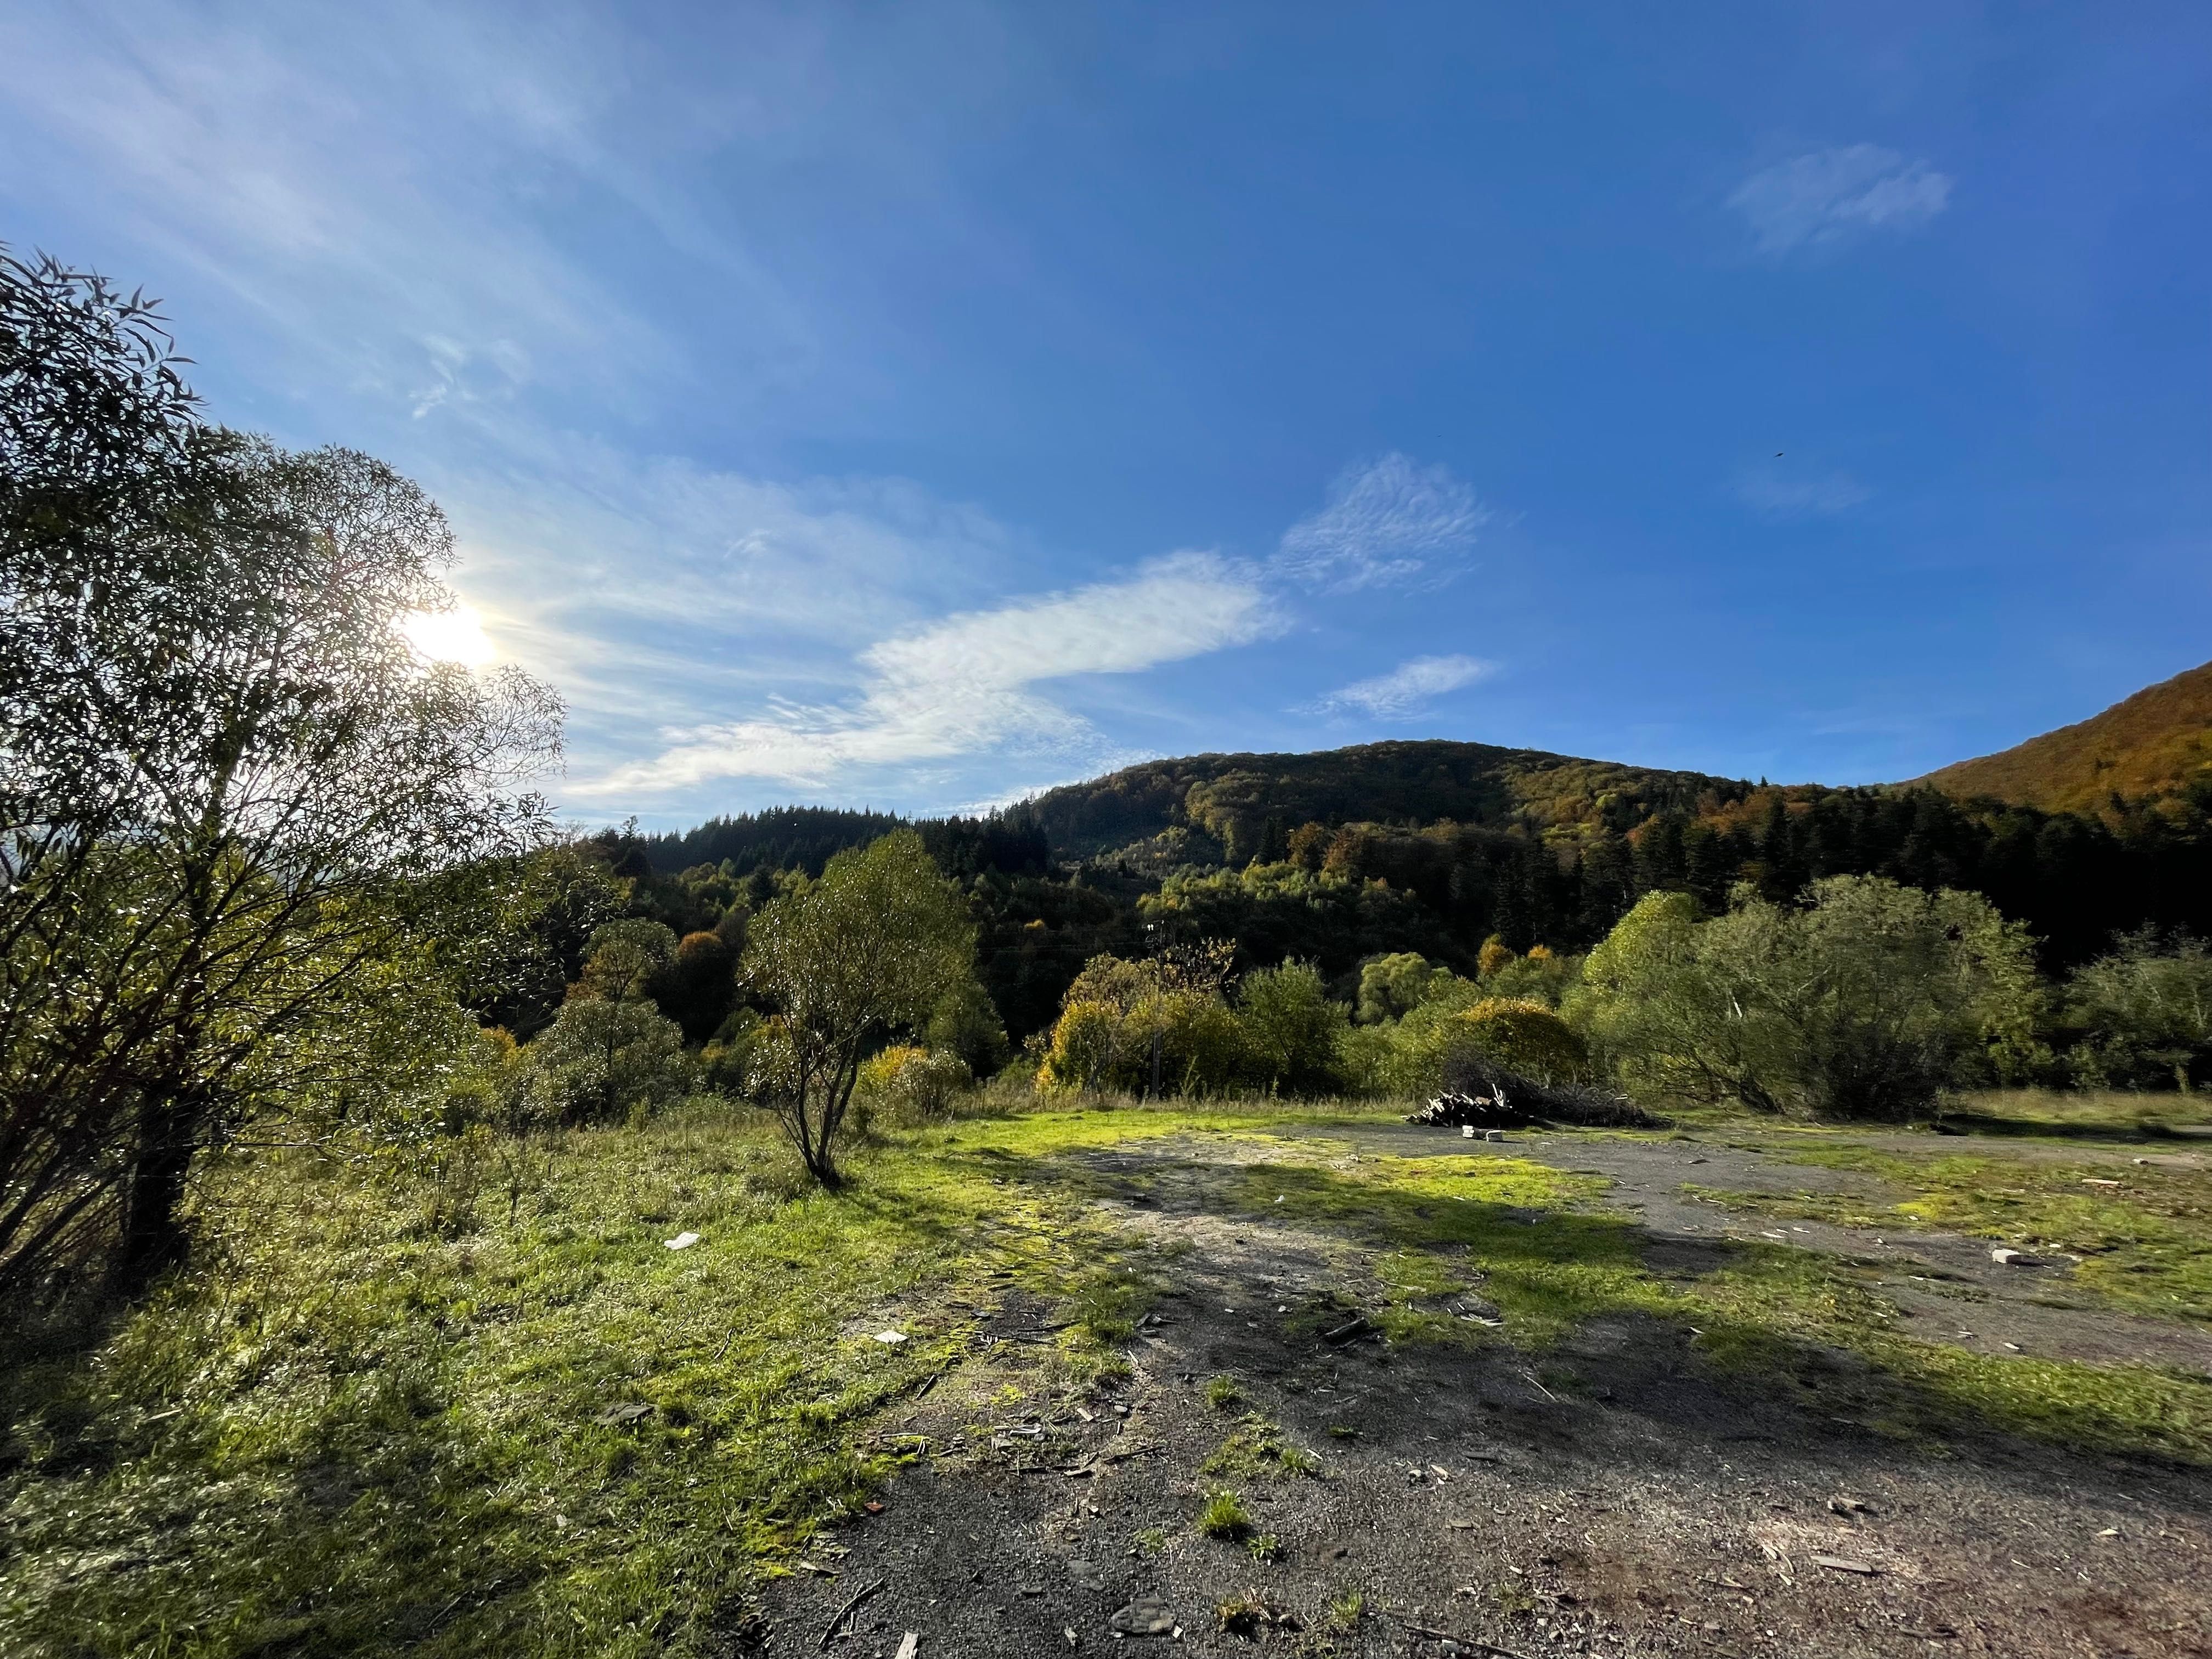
(1729, 1328)
(560, 1439)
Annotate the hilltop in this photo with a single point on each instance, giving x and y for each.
(1225, 807)
(2158, 742)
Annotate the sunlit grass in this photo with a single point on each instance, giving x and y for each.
(2141, 1231)
(491, 1414)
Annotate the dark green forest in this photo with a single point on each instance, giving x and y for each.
(1434, 847)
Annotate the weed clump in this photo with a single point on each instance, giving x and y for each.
(1224, 1516)
(1255, 1450)
(1345, 1612)
(1221, 1394)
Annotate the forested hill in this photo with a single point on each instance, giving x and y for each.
(1434, 848)
(2156, 743)
(1232, 808)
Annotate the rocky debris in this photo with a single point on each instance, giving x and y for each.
(1146, 1615)
(2011, 1258)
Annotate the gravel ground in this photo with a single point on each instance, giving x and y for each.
(1618, 1497)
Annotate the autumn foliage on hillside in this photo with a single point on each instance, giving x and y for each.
(2156, 743)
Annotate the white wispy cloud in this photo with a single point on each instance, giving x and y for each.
(1407, 688)
(376, 217)
(1829, 196)
(1390, 521)
(1785, 497)
(965, 685)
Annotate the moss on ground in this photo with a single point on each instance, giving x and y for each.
(2141, 1231)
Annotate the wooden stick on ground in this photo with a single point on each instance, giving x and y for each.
(847, 1611)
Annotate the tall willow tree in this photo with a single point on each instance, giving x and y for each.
(224, 774)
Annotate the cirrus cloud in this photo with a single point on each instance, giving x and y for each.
(1830, 196)
(1387, 521)
(963, 685)
(1407, 688)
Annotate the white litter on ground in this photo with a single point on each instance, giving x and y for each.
(681, 1241)
(890, 1339)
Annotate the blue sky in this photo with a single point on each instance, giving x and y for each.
(918, 405)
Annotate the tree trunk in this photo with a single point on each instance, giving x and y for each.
(152, 1236)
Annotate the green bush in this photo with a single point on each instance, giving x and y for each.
(1524, 1036)
(1863, 1002)
(1202, 1046)
(607, 1062)
(909, 1084)
(1292, 1029)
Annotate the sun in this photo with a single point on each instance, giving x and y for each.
(456, 636)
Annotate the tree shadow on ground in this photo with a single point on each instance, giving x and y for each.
(1731, 1332)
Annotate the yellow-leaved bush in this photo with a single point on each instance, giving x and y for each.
(907, 1083)
(1201, 1046)
(1524, 1036)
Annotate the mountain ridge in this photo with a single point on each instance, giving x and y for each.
(1228, 800)
(2155, 742)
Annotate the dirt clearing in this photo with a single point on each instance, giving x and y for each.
(1332, 1440)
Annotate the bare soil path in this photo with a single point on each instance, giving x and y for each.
(1614, 1495)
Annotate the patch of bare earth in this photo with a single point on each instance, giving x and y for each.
(1612, 1496)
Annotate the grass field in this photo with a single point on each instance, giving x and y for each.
(477, 1406)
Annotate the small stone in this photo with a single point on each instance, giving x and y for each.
(2005, 1257)
(1146, 1615)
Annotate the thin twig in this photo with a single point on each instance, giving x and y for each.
(848, 1610)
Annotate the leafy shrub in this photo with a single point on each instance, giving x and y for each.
(1085, 1042)
(1863, 1003)
(1203, 1049)
(2145, 1013)
(1291, 1028)
(1525, 1036)
(910, 1084)
(606, 1062)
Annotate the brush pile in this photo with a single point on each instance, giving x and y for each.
(1454, 1109)
(1478, 1092)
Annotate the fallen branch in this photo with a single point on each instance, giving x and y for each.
(848, 1610)
(1473, 1642)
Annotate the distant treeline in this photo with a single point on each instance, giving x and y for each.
(2076, 880)
(1340, 893)
(808, 838)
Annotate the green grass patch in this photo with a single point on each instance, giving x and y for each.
(2143, 1232)
(361, 1424)
(1224, 1516)
(490, 1413)
(1256, 1450)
